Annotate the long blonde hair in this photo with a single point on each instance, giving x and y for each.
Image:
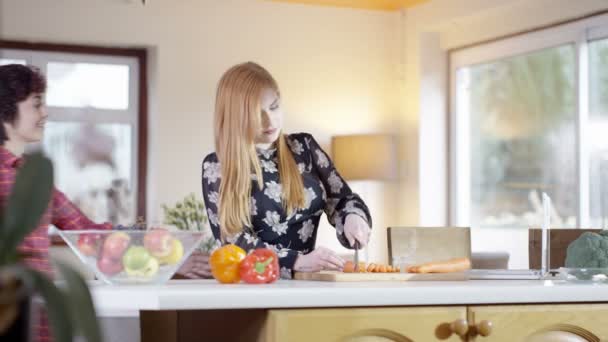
(237, 122)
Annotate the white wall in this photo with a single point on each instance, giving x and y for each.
(335, 67)
(341, 71)
(430, 30)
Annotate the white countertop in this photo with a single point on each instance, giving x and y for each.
(208, 294)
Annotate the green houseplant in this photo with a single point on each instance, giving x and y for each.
(69, 305)
(189, 214)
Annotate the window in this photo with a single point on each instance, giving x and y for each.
(522, 136)
(530, 115)
(597, 129)
(107, 85)
(4, 61)
(94, 131)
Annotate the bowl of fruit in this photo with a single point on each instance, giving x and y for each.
(132, 256)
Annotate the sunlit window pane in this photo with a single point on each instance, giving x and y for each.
(104, 86)
(93, 167)
(596, 133)
(5, 61)
(522, 112)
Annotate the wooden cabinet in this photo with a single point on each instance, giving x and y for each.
(364, 324)
(541, 323)
(495, 323)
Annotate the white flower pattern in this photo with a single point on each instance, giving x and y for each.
(302, 167)
(253, 209)
(296, 146)
(335, 182)
(310, 195)
(306, 231)
(214, 197)
(322, 160)
(274, 191)
(211, 171)
(251, 239)
(350, 208)
(213, 219)
(273, 220)
(283, 252)
(285, 273)
(269, 166)
(267, 153)
(273, 248)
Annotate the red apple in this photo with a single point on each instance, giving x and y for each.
(159, 242)
(115, 245)
(109, 266)
(88, 244)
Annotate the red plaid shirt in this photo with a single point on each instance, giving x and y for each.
(61, 212)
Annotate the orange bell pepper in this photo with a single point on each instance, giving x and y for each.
(225, 262)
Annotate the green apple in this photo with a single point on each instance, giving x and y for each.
(139, 262)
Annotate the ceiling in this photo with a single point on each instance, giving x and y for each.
(380, 5)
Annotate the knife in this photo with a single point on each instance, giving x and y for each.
(356, 256)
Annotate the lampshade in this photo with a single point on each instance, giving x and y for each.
(365, 156)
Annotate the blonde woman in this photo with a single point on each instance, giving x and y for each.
(267, 189)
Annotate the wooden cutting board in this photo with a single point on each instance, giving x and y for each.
(335, 276)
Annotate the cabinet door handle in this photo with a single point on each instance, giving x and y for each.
(460, 327)
(483, 328)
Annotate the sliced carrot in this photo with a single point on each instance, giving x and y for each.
(349, 267)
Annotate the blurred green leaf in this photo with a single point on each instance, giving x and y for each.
(81, 304)
(61, 328)
(29, 199)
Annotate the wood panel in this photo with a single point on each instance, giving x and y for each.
(363, 324)
(543, 322)
(333, 276)
(240, 325)
(158, 326)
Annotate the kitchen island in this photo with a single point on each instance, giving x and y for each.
(507, 310)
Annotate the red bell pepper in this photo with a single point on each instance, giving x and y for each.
(260, 267)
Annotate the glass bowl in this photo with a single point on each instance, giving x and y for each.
(120, 257)
(584, 274)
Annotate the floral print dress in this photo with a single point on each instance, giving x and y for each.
(295, 234)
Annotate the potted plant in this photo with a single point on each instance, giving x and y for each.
(189, 214)
(69, 305)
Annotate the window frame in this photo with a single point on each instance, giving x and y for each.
(578, 33)
(136, 58)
